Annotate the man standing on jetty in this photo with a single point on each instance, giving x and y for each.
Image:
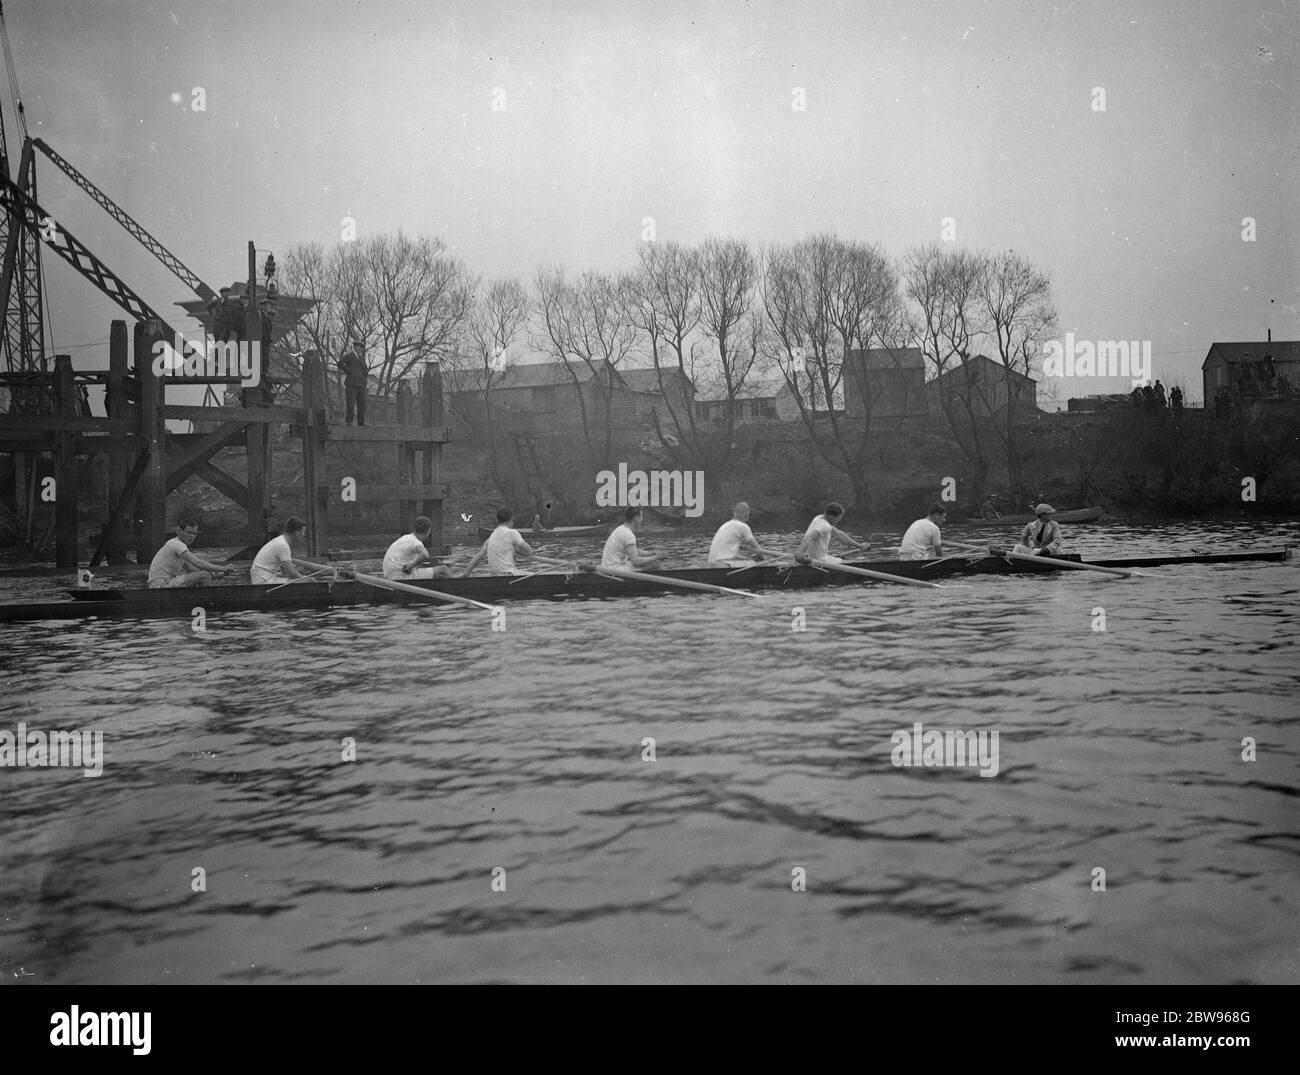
(175, 566)
(355, 374)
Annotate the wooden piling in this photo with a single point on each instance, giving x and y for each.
(314, 473)
(258, 438)
(431, 455)
(119, 465)
(408, 509)
(65, 467)
(153, 483)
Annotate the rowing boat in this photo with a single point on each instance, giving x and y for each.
(558, 533)
(491, 589)
(1077, 515)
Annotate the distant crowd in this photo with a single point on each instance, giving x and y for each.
(1253, 381)
(1151, 399)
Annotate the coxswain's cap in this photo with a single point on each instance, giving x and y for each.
(1044, 509)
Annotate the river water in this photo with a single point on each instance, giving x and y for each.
(770, 839)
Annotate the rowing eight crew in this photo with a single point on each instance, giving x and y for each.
(734, 545)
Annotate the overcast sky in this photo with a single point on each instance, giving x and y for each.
(683, 112)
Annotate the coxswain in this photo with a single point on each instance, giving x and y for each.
(274, 562)
(733, 538)
(923, 541)
(816, 541)
(501, 547)
(620, 546)
(175, 566)
(1041, 538)
(407, 556)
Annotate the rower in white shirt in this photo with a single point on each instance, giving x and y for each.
(502, 546)
(273, 563)
(175, 566)
(407, 556)
(816, 541)
(923, 541)
(620, 547)
(733, 538)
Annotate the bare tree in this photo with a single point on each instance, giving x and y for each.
(335, 278)
(406, 299)
(824, 298)
(969, 306)
(499, 315)
(663, 302)
(945, 286)
(1016, 302)
(729, 281)
(585, 323)
(421, 297)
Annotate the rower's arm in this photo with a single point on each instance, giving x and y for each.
(643, 559)
(845, 537)
(190, 560)
(523, 549)
(478, 556)
(289, 570)
(423, 558)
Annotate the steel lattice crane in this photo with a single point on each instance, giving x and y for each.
(23, 339)
(25, 225)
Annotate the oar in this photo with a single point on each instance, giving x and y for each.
(641, 576)
(829, 565)
(958, 555)
(313, 577)
(402, 587)
(553, 562)
(1067, 563)
(534, 574)
(761, 563)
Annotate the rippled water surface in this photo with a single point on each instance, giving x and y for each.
(523, 750)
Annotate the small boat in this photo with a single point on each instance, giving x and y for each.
(1077, 515)
(556, 533)
(582, 583)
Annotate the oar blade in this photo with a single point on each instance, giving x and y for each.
(883, 576)
(1068, 564)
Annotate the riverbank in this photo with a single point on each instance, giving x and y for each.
(1137, 467)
